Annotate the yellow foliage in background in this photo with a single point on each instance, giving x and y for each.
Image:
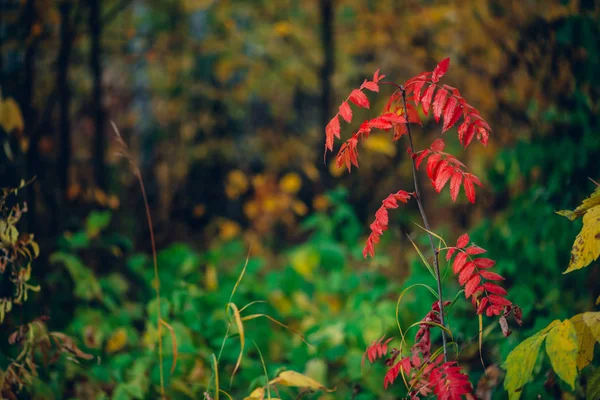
(117, 341)
(10, 115)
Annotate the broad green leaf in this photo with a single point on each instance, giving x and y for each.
(588, 203)
(561, 346)
(87, 286)
(520, 362)
(587, 244)
(96, 222)
(593, 386)
(587, 326)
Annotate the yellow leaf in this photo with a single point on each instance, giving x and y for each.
(10, 115)
(229, 229)
(117, 341)
(598, 300)
(299, 208)
(381, 143)
(320, 202)
(240, 327)
(587, 244)
(520, 362)
(237, 184)
(587, 327)
(280, 302)
(211, 281)
(290, 183)
(592, 201)
(561, 347)
(336, 171)
(304, 261)
(296, 379)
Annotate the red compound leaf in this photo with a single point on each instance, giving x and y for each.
(449, 382)
(440, 69)
(443, 168)
(380, 224)
(376, 350)
(473, 273)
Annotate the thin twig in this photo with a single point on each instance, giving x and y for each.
(436, 265)
(124, 151)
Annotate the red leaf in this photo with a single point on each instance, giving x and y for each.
(377, 77)
(472, 285)
(458, 111)
(438, 145)
(369, 85)
(483, 137)
(482, 305)
(469, 189)
(364, 128)
(492, 276)
(440, 69)
(442, 177)
(399, 131)
(380, 123)
(426, 100)
(462, 241)
(473, 250)
(421, 157)
(474, 179)
(449, 111)
(459, 262)
(455, 185)
(359, 98)
(493, 288)
(393, 118)
(438, 103)
(332, 129)
(413, 115)
(466, 273)
(417, 87)
(468, 135)
(346, 112)
(432, 163)
(450, 253)
(498, 300)
(484, 262)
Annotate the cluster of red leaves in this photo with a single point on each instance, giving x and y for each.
(450, 383)
(447, 103)
(474, 274)
(423, 374)
(443, 167)
(332, 130)
(380, 224)
(348, 153)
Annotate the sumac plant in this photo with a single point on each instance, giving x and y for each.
(426, 372)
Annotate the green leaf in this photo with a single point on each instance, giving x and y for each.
(87, 286)
(96, 222)
(520, 362)
(593, 386)
(561, 346)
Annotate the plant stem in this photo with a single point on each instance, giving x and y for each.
(436, 264)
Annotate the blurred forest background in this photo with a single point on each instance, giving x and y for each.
(223, 104)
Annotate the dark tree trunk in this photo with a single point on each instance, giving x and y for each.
(327, 20)
(97, 107)
(33, 158)
(64, 97)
